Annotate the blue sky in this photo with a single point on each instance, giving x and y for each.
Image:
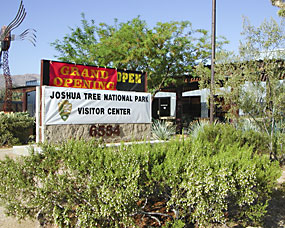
(53, 18)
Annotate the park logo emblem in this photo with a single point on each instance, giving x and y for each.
(64, 109)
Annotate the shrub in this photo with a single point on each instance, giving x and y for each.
(196, 126)
(162, 131)
(223, 183)
(83, 184)
(77, 184)
(268, 141)
(227, 134)
(280, 144)
(15, 128)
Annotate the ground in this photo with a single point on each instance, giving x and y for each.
(275, 217)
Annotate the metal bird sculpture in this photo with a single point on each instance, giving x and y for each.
(5, 38)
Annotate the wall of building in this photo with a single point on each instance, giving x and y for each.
(16, 106)
(203, 94)
(172, 100)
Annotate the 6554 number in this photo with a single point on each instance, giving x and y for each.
(104, 130)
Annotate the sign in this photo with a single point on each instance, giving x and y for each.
(79, 76)
(87, 106)
(104, 130)
(131, 81)
(62, 74)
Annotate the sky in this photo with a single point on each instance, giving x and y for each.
(53, 19)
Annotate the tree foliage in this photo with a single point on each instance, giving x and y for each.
(252, 81)
(281, 5)
(266, 41)
(166, 50)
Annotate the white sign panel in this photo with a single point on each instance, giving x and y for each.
(86, 106)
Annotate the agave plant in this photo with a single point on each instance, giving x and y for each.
(162, 130)
(246, 124)
(196, 126)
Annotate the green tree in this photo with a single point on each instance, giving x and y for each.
(252, 80)
(164, 51)
(281, 5)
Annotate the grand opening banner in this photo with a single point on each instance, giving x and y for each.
(87, 106)
(63, 74)
(80, 76)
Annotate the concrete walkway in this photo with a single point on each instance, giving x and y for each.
(16, 151)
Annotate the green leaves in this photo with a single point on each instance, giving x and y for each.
(164, 51)
(212, 178)
(162, 131)
(15, 128)
(253, 85)
(281, 5)
(263, 42)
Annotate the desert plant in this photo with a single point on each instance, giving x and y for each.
(162, 130)
(201, 181)
(15, 128)
(254, 136)
(77, 184)
(224, 179)
(197, 126)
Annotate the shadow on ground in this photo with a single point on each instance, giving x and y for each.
(275, 217)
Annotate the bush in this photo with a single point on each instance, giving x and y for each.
(263, 140)
(222, 183)
(77, 184)
(15, 128)
(82, 184)
(196, 126)
(280, 144)
(162, 131)
(226, 134)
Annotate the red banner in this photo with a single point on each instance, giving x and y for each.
(81, 76)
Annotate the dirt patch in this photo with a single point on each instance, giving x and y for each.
(276, 210)
(10, 222)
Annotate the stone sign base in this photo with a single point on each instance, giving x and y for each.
(109, 133)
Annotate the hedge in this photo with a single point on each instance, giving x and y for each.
(83, 184)
(15, 128)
